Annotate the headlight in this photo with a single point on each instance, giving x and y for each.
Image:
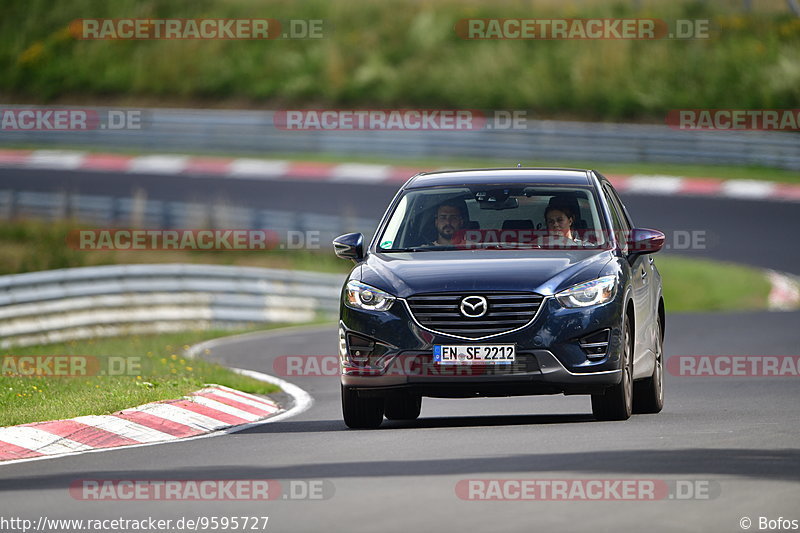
(363, 296)
(595, 292)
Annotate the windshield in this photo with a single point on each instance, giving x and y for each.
(515, 216)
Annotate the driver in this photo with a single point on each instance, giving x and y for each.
(451, 216)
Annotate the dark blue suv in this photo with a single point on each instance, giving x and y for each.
(501, 282)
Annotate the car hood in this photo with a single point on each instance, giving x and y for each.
(542, 271)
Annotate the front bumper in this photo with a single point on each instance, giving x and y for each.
(396, 354)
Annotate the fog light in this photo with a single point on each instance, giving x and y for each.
(596, 345)
(360, 348)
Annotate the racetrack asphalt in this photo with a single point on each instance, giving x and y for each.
(737, 436)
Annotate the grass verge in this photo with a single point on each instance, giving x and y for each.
(32, 245)
(704, 285)
(146, 368)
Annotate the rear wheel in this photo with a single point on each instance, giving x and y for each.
(648, 394)
(617, 402)
(361, 413)
(404, 407)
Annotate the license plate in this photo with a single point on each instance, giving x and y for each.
(497, 354)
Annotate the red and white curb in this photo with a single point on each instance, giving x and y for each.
(785, 292)
(271, 169)
(212, 411)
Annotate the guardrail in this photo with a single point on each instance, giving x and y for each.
(111, 211)
(60, 305)
(254, 132)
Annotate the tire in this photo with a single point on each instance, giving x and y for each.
(361, 413)
(648, 394)
(405, 407)
(617, 402)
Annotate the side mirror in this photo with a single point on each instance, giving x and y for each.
(349, 246)
(644, 241)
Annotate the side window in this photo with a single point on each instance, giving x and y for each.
(621, 228)
(623, 211)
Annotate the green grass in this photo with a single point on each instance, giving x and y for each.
(163, 372)
(405, 53)
(705, 285)
(32, 245)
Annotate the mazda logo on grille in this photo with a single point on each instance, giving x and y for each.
(474, 306)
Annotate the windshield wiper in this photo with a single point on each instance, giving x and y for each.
(505, 246)
(419, 249)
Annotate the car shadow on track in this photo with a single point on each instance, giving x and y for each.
(773, 465)
(318, 426)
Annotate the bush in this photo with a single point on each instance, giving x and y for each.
(403, 53)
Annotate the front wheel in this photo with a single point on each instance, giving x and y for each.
(648, 394)
(361, 413)
(617, 402)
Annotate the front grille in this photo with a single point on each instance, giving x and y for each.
(506, 311)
